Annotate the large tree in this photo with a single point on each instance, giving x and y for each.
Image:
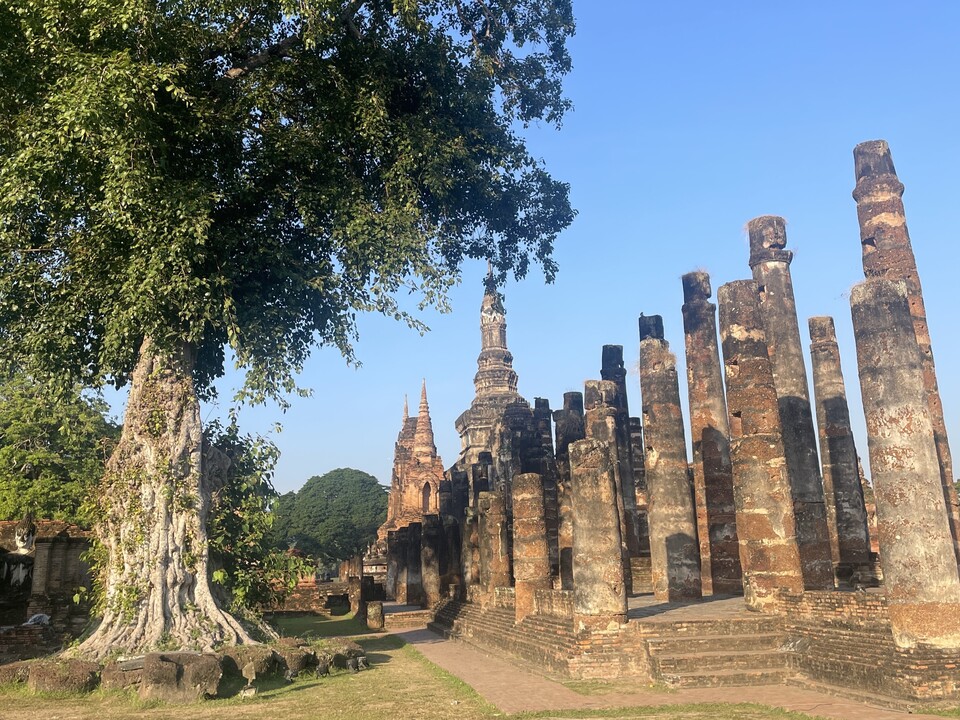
(333, 516)
(181, 176)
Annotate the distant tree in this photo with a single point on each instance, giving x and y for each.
(52, 450)
(333, 516)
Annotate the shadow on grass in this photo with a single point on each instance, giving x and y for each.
(314, 625)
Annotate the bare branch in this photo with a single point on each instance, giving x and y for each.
(281, 49)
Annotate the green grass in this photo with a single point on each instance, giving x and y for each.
(310, 625)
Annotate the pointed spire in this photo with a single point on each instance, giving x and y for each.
(406, 409)
(423, 439)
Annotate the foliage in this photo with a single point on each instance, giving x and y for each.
(52, 450)
(333, 516)
(248, 568)
(255, 174)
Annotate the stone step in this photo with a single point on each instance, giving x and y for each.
(710, 662)
(865, 696)
(727, 678)
(700, 628)
(680, 645)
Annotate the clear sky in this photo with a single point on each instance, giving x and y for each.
(689, 120)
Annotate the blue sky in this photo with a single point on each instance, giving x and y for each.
(689, 120)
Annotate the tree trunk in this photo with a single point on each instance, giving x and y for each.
(153, 508)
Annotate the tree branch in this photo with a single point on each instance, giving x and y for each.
(281, 49)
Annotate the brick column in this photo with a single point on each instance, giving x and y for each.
(549, 475)
(568, 426)
(921, 581)
(414, 575)
(612, 370)
(430, 540)
(640, 484)
(494, 542)
(888, 253)
(531, 559)
(403, 540)
(674, 550)
(393, 563)
(841, 480)
(599, 596)
(470, 552)
(770, 262)
(710, 434)
(761, 488)
(600, 423)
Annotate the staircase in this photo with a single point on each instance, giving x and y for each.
(642, 577)
(546, 641)
(715, 653)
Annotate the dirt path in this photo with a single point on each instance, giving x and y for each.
(514, 689)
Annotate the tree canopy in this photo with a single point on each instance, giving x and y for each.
(254, 174)
(333, 516)
(52, 450)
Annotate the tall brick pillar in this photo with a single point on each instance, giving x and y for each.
(414, 569)
(710, 436)
(770, 262)
(841, 480)
(531, 559)
(470, 547)
(599, 595)
(393, 562)
(568, 426)
(430, 542)
(769, 555)
(888, 253)
(600, 423)
(549, 475)
(403, 540)
(674, 549)
(612, 370)
(494, 542)
(916, 548)
(640, 484)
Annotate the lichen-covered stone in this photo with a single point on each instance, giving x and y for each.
(63, 675)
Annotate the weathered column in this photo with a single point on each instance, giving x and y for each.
(549, 475)
(480, 477)
(916, 548)
(470, 553)
(568, 426)
(640, 484)
(414, 570)
(766, 527)
(612, 370)
(600, 423)
(393, 562)
(674, 550)
(888, 253)
(494, 542)
(846, 510)
(451, 568)
(770, 263)
(403, 540)
(531, 558)
(430, 540)
(710, 435)
(599, 595)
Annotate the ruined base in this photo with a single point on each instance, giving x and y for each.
(838, 642)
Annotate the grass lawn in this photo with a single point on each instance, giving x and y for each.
(400, 684)
(310, 625)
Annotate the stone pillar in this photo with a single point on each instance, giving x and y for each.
(470, 553)
(770, 263)
(674, 550)
(430, 541)
(550, 477)
(762, 496)
(841, 481)
(640, 484)
(375, 615)
(710, 435)
(414, 571)
(612, 370)
(451, 568)
(494, 542)
(403, 540)
(568, 425)
(599, 596)
(600, 423)
(888, 253)
(393, 563)
(921, 581)
(480, 477)
(531, 558)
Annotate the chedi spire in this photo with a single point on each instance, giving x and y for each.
(423, 439)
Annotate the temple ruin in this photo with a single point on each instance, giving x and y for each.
(586, 541)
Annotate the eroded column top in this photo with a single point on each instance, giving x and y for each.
(768, 240)
(651, 326)
(822, 329)
(696, 286)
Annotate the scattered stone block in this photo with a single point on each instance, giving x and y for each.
(73, 676)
